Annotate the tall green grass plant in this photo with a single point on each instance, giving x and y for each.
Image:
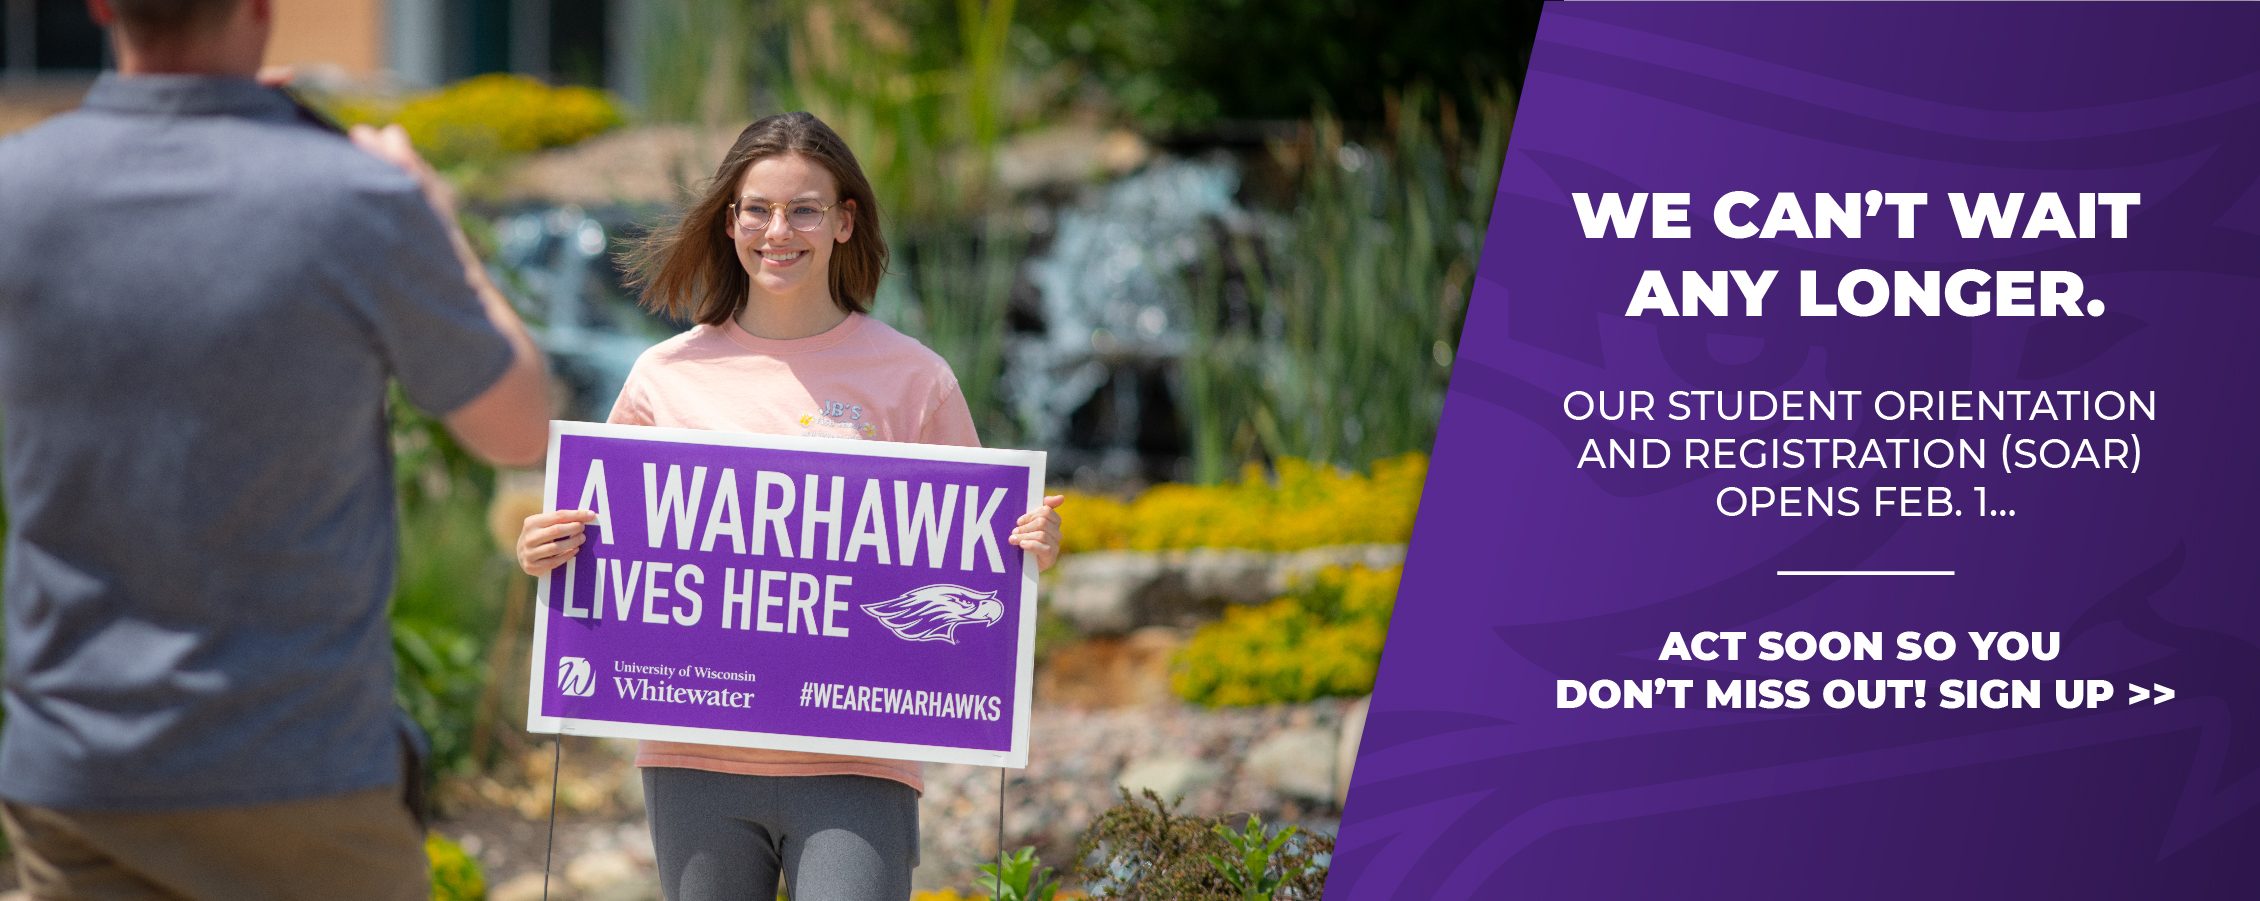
(963, 282)
(925, 122)
(1356, 301)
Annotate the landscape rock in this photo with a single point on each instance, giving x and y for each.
(1235, 575)
(1346, 755)
(646, 889)
(599, 871)
(1093, 589)
(1114, 591)
(1297, 763)
(649, 166)
(634, 840)
(524, 887)
(1111, 671)
(1290, 567)
(1169, 777)
(1068, 155)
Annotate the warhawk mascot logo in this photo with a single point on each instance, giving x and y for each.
(934, 612)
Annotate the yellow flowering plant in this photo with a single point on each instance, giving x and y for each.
(488, 118)
(455, 875)
(1323, 640)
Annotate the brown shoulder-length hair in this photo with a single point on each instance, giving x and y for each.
(690, 270)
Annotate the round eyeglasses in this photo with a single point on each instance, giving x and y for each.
(800, 215)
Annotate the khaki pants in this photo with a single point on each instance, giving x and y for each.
(359, 847)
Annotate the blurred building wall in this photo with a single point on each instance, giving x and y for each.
(347, 34)
(584, 42)
(409, 43)
(49, 37)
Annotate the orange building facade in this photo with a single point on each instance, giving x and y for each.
(347, 34)
(410, 43)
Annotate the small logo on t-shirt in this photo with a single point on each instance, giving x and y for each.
(574, 677)
(835, 419)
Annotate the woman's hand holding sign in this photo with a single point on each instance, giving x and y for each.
(550, 539)
(1037, 532)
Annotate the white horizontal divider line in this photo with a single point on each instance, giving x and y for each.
(1863, 572)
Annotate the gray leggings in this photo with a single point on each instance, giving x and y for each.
(726, 837)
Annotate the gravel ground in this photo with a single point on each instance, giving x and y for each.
(603, 850)
(1075, 759)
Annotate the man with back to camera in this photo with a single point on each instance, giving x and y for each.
(202, 297)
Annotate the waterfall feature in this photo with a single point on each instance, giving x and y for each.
(555, 263)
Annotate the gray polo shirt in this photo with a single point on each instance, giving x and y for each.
(201, 300)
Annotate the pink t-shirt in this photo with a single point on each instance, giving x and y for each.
(861, 381)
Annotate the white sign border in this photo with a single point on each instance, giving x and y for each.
(1024, 667)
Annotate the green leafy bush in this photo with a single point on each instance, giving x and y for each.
(448, 589)
(1323, 640)
(1144, 850)
(1019, 879)
(441, 672)
(1305, 506)
(455, 875)
(1253, 872)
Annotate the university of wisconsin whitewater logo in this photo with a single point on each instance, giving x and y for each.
(934, 612)
(574, 677)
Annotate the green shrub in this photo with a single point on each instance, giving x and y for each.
(1323, 640)
(455, 875)
(1017, 878)
(1144, 850)
(441, 671)
(1255, 871)
(448, 589)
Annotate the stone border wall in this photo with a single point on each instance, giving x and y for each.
(1114, 592)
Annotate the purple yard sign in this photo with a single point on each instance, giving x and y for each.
(1846, 483)
(800, 594)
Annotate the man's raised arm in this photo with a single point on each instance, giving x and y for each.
(508, 423)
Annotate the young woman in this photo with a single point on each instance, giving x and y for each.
(776, 265)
